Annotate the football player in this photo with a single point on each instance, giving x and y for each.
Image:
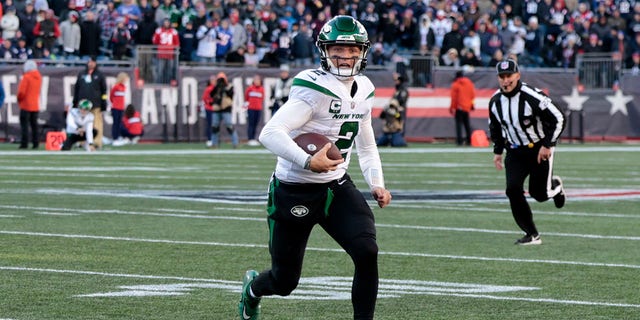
(80, 126)
(334, 100)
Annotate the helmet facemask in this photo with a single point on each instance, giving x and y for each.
(343, 30)
(358, 65)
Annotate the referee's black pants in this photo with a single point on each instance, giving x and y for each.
(521, 163)
(348, 219)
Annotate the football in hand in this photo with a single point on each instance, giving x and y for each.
(313, 142)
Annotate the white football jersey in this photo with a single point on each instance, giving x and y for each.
(76, 120)
(320, 103)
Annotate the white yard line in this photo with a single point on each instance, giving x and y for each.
(115, 275)
(465, 207)
(493, 231)
(203, 215)
(390, 253)
(414, 287)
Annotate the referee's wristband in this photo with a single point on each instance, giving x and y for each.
(307, 163)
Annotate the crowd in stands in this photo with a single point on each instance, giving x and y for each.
(539, 33)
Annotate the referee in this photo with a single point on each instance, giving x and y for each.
(526, 123)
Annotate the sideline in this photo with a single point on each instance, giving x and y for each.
(564, 148)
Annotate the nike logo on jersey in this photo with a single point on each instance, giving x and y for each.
(313, 78)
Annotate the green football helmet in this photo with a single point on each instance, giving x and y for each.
(85, 104)
(343, 30)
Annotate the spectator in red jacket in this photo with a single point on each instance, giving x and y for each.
(132, 127)
(117, 99)
(254, 101)
(207, 103)
(462, 102)
(167, 40)
(29, 102)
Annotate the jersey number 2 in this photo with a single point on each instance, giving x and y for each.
(348, 132)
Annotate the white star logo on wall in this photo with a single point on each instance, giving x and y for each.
(575, 100)
(619, 102)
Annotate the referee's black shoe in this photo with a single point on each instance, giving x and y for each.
(529, 240)
(559, 198)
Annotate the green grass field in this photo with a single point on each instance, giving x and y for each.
(167, 231)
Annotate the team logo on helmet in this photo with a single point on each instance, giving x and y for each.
(85, 104)
(345, 37)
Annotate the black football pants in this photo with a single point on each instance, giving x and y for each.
(348, 220)
(521, 163)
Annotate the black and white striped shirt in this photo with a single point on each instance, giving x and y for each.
(523, 117)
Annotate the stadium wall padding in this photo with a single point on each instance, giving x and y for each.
(172, 113)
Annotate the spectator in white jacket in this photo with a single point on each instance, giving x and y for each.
(441, 25)
(472, 41)
(207, 38)
(10, 23)
(70, 36)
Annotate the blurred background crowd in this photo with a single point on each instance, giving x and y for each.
(476, 33)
